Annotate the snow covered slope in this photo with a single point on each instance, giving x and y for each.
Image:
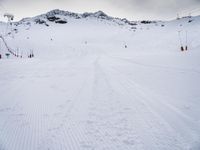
(98, 82)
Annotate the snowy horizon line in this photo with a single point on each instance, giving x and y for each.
(100, 11)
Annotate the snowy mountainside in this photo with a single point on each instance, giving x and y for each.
(58, 28)
(100, 83)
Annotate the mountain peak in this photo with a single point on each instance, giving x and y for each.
(100, 14)
(67, 13)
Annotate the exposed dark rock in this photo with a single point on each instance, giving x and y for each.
(190, 21)
(63, 13)
(85, 15)
(98, 14)
(39, 21)
(61, 21)
(133, 28)
(52, 18)
(133, 23)
(146, 22)
(125, 20)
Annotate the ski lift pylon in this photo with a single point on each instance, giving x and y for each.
(9, 16)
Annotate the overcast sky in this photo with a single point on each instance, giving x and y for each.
(130, 9)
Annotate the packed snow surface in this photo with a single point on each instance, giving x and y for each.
(100, 83)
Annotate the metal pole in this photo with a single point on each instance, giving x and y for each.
(186, 34)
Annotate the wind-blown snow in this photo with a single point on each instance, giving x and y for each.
(85, 90)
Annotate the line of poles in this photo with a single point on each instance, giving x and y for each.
(18, 54)
(15, 53)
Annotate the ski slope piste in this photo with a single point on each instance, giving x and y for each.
(99, 83)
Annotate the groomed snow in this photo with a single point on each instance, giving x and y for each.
(84, 90)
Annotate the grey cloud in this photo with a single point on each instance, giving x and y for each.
(160, 8)
(132, 9)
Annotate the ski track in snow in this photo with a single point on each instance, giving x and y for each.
(96, 106)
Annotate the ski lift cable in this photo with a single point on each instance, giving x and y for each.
(8, 49)
(195, 10)
(190, 11)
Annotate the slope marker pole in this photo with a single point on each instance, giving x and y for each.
(181, 44)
